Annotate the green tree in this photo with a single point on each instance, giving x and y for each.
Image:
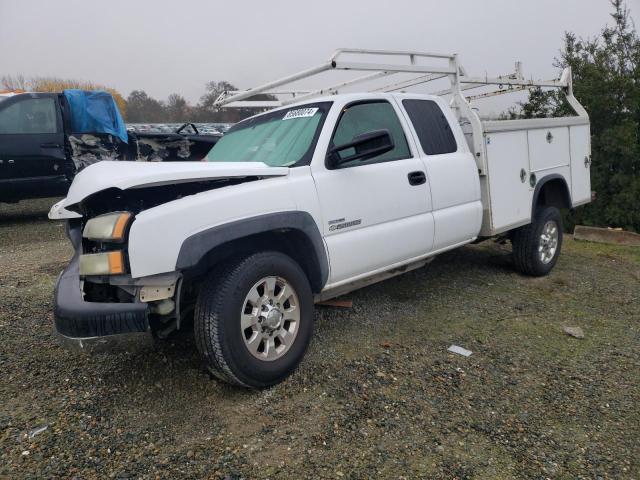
(143, 108)
(606, 79)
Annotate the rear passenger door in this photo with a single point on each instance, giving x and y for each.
(452, 172)
(377, 212)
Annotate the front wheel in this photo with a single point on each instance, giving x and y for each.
(254, 319)
(536, 246)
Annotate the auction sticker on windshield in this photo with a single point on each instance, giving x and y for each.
(300, 113)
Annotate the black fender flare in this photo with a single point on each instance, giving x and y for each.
(541, 183)
(198, 245)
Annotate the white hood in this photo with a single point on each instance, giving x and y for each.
(126, 175)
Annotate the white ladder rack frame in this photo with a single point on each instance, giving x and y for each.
(457, 76)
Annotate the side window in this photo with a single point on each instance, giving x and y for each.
(432, 127)
(33, 115)
(361, 118)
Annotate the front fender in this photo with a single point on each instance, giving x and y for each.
(197, 246)
(157, 234)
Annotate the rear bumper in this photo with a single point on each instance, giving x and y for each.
(93, 326)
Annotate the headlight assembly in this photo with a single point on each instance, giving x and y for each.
(106, 263)
(110, 227)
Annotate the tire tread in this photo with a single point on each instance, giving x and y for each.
(211, 316)
(525, 243)
(207, 333)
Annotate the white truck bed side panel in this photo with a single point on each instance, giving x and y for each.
(510, 197)
(548, 148)
(580, 164)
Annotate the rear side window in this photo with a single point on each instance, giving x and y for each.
(365, 117)
(432, 127)
(34, 115)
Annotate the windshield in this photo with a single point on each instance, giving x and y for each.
(280, 139)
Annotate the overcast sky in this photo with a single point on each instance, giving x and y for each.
(177, 46)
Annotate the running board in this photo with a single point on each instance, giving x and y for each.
(365, 282)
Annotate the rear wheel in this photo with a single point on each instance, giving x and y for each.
(254, 319)
(536, 246)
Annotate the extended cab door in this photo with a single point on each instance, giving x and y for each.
(451, 168)
(31, 146)
(377, 212)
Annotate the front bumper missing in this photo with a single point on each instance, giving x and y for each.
(93, 326)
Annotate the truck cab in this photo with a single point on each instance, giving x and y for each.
(398, 206)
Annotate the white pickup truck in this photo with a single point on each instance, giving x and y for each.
(306, 202)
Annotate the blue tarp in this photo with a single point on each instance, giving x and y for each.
(95, 112)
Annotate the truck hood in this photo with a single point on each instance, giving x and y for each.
(128, 175)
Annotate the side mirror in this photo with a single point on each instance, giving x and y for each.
(366, 145)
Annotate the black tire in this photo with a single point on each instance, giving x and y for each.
(218, 334)
(527, 241)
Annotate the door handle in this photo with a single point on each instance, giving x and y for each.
(50, 145)
(417, 178)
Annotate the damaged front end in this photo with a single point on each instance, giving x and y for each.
(84, 322)
(98, 305)
(98, 302)
(104, 269)
(140, 199)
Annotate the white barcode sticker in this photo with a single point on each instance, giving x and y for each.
(300, 113)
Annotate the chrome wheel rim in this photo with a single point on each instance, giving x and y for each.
(548, 242)
(270, 318)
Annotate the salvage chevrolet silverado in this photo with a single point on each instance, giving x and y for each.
(306, 202)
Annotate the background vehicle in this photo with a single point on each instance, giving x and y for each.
(44, 142)
(309, 201)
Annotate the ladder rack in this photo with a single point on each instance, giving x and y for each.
(408, 64)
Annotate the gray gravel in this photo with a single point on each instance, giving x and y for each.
(378, 395)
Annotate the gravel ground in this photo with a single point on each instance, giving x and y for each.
(377, 396)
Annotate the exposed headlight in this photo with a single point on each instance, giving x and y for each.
(107, 263)
(109, 227)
